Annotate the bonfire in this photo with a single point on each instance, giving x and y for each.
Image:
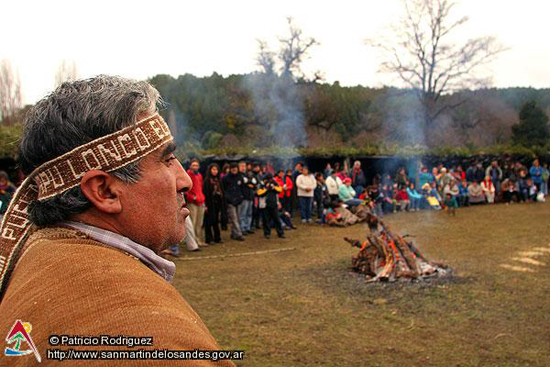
(386, 256)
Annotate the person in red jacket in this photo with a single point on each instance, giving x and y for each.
(402, 199)
(195, 199)
(286, 183)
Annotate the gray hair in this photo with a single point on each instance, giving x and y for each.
(74, 114)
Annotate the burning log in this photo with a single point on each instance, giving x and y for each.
(386, 256)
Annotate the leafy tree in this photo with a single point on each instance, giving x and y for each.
(532, 129)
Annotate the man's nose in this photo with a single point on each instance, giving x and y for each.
(183, 181)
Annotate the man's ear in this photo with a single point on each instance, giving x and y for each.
(103, 191)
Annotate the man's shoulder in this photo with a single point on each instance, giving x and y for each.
(63, 255)
(65, 286)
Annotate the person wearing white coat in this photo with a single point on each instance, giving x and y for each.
(306, 184)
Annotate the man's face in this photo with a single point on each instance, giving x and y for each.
(153, 209)
(234, 170)
(195, 166)
(242, 167)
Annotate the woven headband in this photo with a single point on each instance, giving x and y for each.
(52, 178)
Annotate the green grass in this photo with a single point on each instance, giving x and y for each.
(305, 307)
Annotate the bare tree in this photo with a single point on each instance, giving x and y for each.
(266, 58)
(66, 72)
(293, 50)
(422, 55)
(11, 100)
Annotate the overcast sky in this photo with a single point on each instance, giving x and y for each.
(140, 39)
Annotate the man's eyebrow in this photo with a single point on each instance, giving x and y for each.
(169, 149)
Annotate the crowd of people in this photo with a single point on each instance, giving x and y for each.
(245, 197)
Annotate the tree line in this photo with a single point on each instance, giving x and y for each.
(221, 112)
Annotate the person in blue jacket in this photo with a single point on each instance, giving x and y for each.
(414, 196)
(536, 174)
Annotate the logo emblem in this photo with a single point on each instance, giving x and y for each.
(19, 334)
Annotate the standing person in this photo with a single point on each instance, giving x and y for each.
(459, 174)
(333, 184)
(470, 172)
(495, 173)
(269, 205)
(488, 189)
(232, 189)
(445, 178)
(257, 173)
(305, 183)
(358, 180)
(213, 196)
(320, 195)
(91, 264)
(285, 182)
(479, 172)
(297, 171)
(292, 198)
(223, 216)
(523, 188)
(451, 188)
(424, 177)
(536, 174)
(249, 186)
(327, 171)
(401, 178)
(195, 199)
(463, 193)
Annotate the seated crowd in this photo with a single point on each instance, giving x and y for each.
(248, 196)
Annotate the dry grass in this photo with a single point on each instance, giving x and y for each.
(305, 308)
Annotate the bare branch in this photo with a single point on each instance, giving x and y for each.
(423, 58)
(11, 100)
(265, 58)
(293, 49)
(66, 72)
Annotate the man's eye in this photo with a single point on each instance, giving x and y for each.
(171, 157)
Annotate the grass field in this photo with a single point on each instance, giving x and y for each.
(305, 308)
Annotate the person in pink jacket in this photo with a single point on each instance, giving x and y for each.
(195, 199)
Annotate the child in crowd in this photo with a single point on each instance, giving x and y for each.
(269, 205)
(531, 190)
(450, 204)
(462, 193)
(414, 196)
(402, 199)
(432, 196)
(332, 218)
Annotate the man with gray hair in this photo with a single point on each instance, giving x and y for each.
(80, 240)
